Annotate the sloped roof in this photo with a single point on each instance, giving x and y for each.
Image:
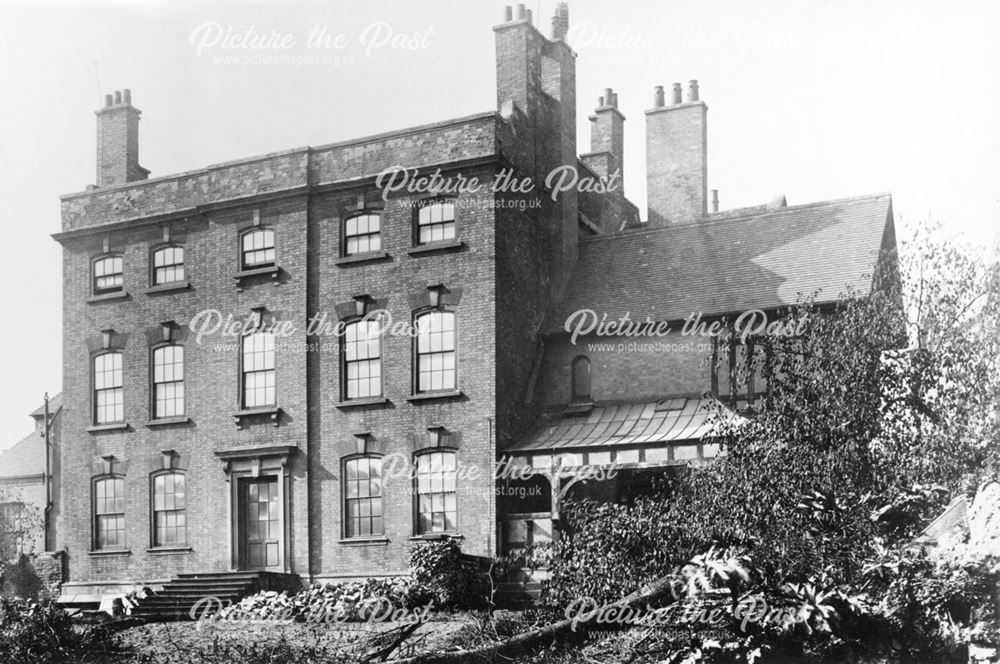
(55, 403)
(672, 420)
(25, 458)
(951, 525)
(756, 258)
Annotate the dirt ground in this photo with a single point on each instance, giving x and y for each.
(191, 642)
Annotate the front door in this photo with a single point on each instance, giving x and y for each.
(260, 523)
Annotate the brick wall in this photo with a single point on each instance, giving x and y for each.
(211, 386)
(628, 368)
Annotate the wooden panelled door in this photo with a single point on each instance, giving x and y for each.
(260, 523)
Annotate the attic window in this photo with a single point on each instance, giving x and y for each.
(580, 380)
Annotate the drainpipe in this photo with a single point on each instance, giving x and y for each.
(47, 480)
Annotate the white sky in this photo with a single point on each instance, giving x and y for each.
(809, 98)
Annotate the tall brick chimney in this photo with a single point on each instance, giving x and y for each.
(676, 157)
(118, 141)
(607, 136)
(537, 77)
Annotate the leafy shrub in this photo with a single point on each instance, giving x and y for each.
(42, 632)
(456, 580)
(352, 601)
(609, 550)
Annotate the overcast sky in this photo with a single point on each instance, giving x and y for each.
(811, 99)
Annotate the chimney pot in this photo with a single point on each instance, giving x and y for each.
(658, 99)
(676, 93)
(508, 14)
(520, 11)
(127, 96)
(118, 97)
(531, 18)
(108, 100)
(600, 102)
(614, 100)
(715, 200)
(692, 90)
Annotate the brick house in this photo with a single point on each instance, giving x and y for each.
(212, 420)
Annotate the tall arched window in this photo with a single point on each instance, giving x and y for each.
(257, 248)
(168, 265)
(363, 497)
(109, 398)
(581, 379)
(168, 381)
(436, 221)
(109, 513)
(169, 509)
(258, 370)
(362, 360)
(437, 354)
(437, 492)
(108, 275)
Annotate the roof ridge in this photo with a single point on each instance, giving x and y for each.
(631, 232)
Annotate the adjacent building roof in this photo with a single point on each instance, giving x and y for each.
(674, 420)
(55, 403)
(952, 525)
(25, 458)
(758, 258)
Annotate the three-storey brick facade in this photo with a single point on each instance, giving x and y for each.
(217, 417)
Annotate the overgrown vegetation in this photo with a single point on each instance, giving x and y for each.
(42, 633)
(883, 410)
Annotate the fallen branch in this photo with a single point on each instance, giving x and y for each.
(382, 653)
(523, 643)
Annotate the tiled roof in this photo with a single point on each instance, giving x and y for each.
(55, 403)
(952, 524)
(25, 458)
(758, 259)
(668, 421)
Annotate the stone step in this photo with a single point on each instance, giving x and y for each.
(175, 600)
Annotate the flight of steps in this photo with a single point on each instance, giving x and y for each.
(522, 590)
(175, 600)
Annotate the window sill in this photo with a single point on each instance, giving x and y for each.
(437, 536)
(361, 403)
(111, 552)
(367, 257)
(107, 297)
(167, 421)
(116, 426)
(579, 408)
(431, 396)
(273, 412)
(272, 271)
(444, 245)
(168, 288)
(364, 541)
(166, 550)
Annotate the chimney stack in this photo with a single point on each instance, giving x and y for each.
(118, 141)
(536, 93)
(607, 136)
(560, 22)
(677, 158)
